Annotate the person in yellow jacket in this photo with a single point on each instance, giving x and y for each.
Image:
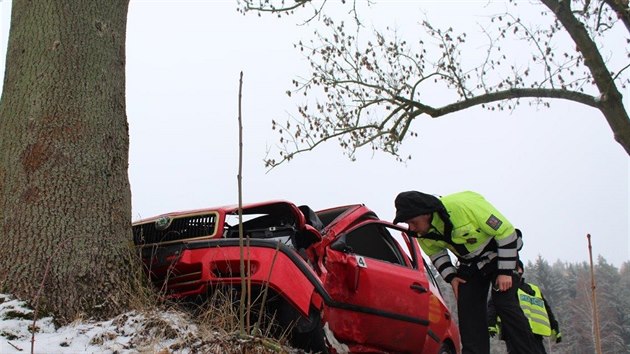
(486, 246)
(541, 319)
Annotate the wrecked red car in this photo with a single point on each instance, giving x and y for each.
(341, 279)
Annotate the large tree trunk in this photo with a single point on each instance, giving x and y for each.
(65, 199)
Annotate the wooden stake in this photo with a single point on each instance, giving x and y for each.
(598, 346)
(240, 210)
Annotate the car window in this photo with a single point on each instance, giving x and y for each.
(375, 241)
(403, 241)
(430, 269)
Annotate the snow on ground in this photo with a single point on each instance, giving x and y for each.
(159, 332)
(127, 333)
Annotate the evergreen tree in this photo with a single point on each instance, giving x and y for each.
(578, 324)
(567, 289)
(624, 304)
(610, 308)
(540, 273)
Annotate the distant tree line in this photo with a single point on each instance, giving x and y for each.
(567, 288)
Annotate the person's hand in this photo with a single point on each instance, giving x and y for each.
(503, 282)
(493, 330)
(455, 285)
(556, 336)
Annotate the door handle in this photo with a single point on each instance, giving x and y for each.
(419, 288)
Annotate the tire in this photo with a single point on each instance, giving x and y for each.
(307, 333)
(446, 348)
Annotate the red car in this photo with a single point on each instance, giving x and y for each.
(341, 278)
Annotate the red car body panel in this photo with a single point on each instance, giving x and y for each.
(222, 265)
(364, 278)
(385, 298)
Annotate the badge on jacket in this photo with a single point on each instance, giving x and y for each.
(494, 222)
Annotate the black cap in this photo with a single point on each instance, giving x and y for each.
(413, 203)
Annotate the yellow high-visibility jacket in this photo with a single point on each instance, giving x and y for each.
(535, 310)
(541, 319)
(476, 224)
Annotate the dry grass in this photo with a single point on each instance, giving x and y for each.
(141, 294)
(212, 328)
(209, 327)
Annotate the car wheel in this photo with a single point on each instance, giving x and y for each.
(446, 349)
(307, 333)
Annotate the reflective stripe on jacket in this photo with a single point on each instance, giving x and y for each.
(534, 308)
(476, 223)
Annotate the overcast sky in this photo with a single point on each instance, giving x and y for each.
(557, 173)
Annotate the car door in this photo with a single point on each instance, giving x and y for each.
(380, 298)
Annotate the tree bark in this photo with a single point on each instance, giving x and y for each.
(611, 104)
(64, 143)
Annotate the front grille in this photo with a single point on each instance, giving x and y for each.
(165, 230)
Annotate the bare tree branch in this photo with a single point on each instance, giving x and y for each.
(369, 93)
(270, 8)
(513, 93)
(621, 9)
(611, 106)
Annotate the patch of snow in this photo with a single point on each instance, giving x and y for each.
(155, 332)
(339, 347)
(125, 334)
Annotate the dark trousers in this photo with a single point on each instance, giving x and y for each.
(538, 339)
(472, 305)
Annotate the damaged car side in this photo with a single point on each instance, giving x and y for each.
(342, 279)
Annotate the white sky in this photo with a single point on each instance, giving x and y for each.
(557, 173)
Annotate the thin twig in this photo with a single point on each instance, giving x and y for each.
(249, 288)
(14, 346)
(39, 293)
(266, 287)
(598, 347)
(240, 209)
